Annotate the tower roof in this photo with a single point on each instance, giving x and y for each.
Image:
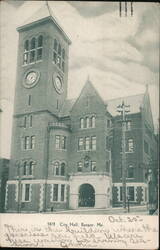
(41, 15)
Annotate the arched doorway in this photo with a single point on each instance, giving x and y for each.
(86, 196)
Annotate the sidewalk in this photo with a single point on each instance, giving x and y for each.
(141, 210)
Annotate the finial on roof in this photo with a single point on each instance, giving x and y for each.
(47, 4)
(88, 78)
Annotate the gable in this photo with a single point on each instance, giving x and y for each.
(89, 101)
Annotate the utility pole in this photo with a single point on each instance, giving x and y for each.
(123, 109)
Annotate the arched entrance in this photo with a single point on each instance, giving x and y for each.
(86, 196)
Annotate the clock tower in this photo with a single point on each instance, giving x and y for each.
(41, 90)
(42, 69)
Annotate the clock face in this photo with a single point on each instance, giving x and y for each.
(31, 78)
(58, 84)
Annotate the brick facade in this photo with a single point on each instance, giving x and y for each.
(67, 153)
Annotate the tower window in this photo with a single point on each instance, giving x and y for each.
(59, 55)
(26, 46)
(29, 100)
(128, 125)
(25, 122)
(32, 56)
(55, 45)
(33, 43)
(40, 41)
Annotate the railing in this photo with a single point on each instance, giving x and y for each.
(58, 125)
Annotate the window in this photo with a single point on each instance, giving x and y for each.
(108, 166)
(33, 43)
(80, 144)
(57, 168)
(30, 121)
(26, 52)
(55, 45)
(130, 173)
(25, 168)
(26, 192)
(87, 122)
(62, 169)
(81, 123)
(25, 122)
(32, 142)
(59, 55)
(128, 125)
(63, 60)
(63, 142)
(26, 142)
(80, 166)
(93, 166)
(130, 145)
(130, 192)
(87, 143)
(93, 122)
(39, 48)
(146, 147)
(55, 192)
(62, 192)
(93, 142)
(108, 123)
(29, 100)
(57, 141)
(31, 164)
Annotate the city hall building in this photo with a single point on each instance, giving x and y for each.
(66, 154)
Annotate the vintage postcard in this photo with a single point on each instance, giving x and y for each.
(79, 121)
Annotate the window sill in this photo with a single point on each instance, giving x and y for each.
(90, 150)
(87, 128)
(38, 61)
(25, 201)
(59, 149)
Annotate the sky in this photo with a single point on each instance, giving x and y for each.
(119, 54)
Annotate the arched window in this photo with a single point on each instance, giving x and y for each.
(55, 45)
(31, 164)
(63, 66)
(93, 121)
(59, 49)
(25, 168)
(33, 43)
(63, 54)
(39, 49)
(87, 122)
(81, 123)
(26, 52)
(57, 168)
(62, 169)
(40, 41)
(26, 46)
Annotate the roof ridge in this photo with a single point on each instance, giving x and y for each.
(124, 97)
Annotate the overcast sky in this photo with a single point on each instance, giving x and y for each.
(121, 55)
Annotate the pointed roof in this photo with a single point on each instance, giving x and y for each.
(41, 15)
